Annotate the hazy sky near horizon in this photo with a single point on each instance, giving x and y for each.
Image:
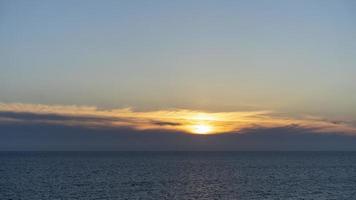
(292, 56)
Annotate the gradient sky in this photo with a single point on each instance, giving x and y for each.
(294, 59)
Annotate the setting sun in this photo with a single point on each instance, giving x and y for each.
(202, 129)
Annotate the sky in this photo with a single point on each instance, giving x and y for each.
(194, 75)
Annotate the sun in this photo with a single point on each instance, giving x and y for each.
(202, 129)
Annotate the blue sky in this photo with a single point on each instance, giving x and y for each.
(218, 54)
(290, 57)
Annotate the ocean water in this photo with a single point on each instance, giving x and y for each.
(177, 175)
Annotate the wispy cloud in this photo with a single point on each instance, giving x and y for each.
(181, 120)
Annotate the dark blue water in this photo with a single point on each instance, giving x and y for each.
(177, 175)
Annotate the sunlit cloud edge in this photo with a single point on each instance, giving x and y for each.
(172, 120)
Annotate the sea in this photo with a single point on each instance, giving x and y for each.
(177, 175)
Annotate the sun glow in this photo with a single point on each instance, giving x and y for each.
(187, 121)
(202, 129)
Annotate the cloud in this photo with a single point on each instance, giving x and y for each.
(174, 120)
(161, 123)
(78, 138)
(55, 127)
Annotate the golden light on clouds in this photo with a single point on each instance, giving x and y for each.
(181, 120)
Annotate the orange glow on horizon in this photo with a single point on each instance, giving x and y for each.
(202, 129)
(181, 120)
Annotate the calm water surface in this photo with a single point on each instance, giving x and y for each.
(177, 175)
